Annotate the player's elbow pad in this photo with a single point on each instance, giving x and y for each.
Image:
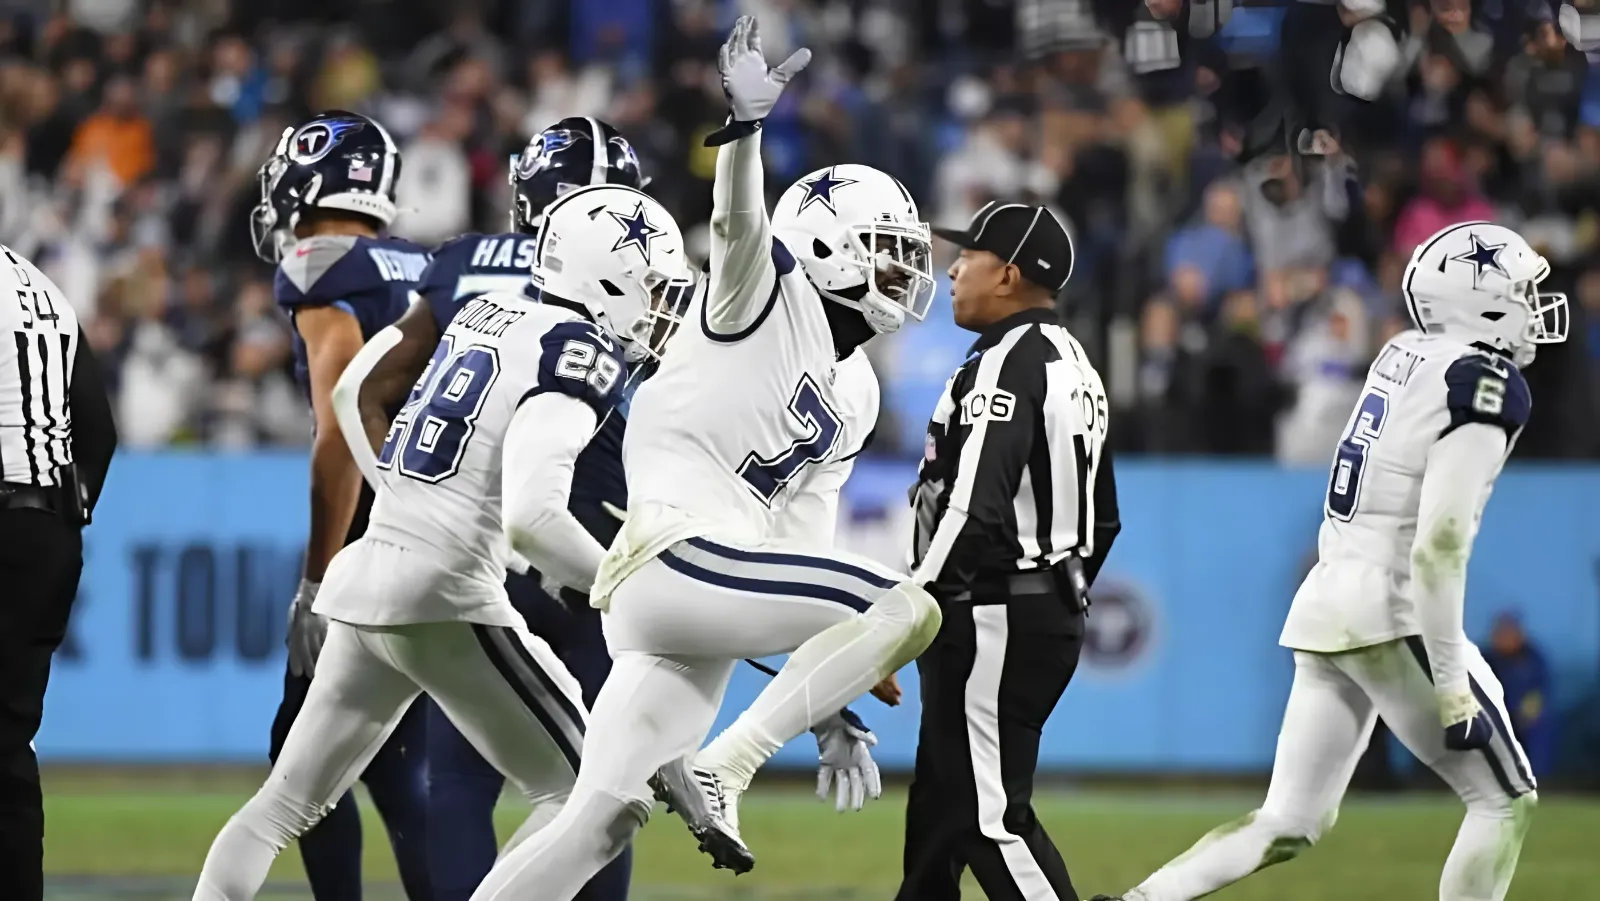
(524, 524)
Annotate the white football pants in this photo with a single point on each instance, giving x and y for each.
(502, 687)
(1335, 701)
(676, 628)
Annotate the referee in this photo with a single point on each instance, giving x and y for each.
(56, 440)
(1015, 508)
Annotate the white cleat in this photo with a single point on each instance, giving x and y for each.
(709, 808)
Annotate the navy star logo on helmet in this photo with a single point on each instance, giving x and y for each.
(637, 230)
(820, 189)
(316, 140)
(1483, 257)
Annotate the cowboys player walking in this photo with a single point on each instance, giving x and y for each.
(482, 452)
(327, 193)
(1376, 627)
(463, 788)
(732, 427)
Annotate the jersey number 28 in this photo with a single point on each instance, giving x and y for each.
(430, 434)
(1344, 484)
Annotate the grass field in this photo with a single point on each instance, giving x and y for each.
(144, 835)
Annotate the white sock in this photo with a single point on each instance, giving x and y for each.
(833, 668)
(1485, 854)
(1224, 856)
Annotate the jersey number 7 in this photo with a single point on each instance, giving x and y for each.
(430, 435)
(766, 476)
(1344, 484)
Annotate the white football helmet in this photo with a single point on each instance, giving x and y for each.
(619, 253)
(857, 234)
(1480, 281)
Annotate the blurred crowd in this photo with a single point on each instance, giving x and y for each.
(1233, 308)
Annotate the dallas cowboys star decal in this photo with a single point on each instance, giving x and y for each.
(1483, 257)
(820, 188)
(637, 230)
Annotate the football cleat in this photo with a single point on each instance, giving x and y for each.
(698, 798)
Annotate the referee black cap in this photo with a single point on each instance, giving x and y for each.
(1028, 237)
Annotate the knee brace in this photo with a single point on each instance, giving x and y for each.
(914, 612)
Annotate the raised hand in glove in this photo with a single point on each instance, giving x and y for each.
(1466, 726)
(307, 630)
(751, 86)
(846, 765)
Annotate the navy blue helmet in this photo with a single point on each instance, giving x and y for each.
(337, 160)
(576, 152)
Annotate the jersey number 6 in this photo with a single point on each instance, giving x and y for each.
(1344, 484)
(767, 475)
(432, 430)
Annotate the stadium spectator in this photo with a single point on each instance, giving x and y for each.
(130, 132)
(1211, 258)
(1520, 667)
(117, 136)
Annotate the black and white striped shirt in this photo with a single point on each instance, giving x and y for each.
(38, 344)
(1017, 444)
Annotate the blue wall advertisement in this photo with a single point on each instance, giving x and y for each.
(176, 648)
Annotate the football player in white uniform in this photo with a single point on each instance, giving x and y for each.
(482, 452)
(1376, 627)
(740, 419)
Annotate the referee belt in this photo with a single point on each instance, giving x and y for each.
(1012, 585)
(19, 496)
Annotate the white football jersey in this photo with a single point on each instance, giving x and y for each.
(729, 429)
(437, 514)
(1421, 387)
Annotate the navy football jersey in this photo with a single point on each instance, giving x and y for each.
(369, 278)
(597, 477)
(471, 265)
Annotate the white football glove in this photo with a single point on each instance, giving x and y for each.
(307, 630)
(753, 88)
(845, 763)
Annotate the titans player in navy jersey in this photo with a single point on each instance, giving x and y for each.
(463, 787)
(327, 194)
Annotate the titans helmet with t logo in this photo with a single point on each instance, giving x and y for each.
(576, 152)
(337, 160)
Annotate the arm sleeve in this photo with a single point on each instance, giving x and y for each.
(744, 274)
(347, 400)
(94, 431)
(1460, 471)
(546, 434)
(1003, 409)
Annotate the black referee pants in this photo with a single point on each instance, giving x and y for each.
(41, 557)
(989, 681)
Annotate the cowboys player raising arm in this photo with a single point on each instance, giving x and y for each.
(327, 194)
(1376, 627)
